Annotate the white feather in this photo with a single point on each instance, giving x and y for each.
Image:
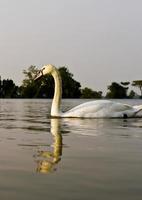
(93, 109)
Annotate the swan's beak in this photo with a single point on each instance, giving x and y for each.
(38, 75)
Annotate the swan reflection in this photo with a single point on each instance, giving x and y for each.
(48, 160)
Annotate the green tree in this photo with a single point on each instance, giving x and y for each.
(44, 88)
(89, 93)
(71, 88)
(116, 91)
(138, 83)
(8, 89)
(132, 94)
(29, 87)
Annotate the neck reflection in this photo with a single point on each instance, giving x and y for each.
(48, 160)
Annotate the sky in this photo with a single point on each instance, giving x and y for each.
(100, 41)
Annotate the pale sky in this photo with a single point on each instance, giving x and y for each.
(99, 40)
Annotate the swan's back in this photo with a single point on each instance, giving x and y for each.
(98, 109)
(93, 109)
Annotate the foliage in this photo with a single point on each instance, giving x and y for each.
(44, 88)
(8, 89)
(29, 87)
(70, 87)
(89, 93)
(116, 91)
(138, 83)
(132, 94)
(29, 75)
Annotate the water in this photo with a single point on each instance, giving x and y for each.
(67, 159)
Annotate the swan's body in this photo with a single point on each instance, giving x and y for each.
(93, 109)
(102, 109)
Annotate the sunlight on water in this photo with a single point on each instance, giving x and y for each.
(72, 159)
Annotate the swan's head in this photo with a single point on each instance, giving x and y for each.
(46, 69)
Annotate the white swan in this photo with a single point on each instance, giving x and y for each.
(93, 109)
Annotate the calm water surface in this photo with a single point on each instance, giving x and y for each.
(67, 159)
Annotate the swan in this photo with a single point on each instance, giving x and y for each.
(92, 109)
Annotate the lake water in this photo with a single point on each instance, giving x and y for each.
(67, 159)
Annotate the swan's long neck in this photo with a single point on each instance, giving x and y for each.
(55, 108)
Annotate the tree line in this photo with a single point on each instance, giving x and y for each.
(44, 88)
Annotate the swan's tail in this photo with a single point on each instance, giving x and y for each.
(138, 108)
